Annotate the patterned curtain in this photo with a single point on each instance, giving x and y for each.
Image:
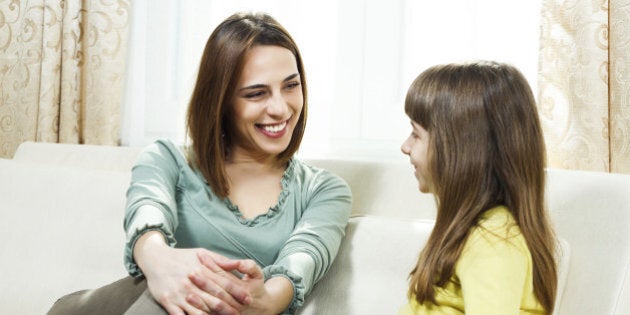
(584, 84)
(62, 66)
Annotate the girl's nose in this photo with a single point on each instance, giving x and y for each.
(404, 148)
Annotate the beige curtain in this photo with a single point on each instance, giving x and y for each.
(584, 84)
(62, 67)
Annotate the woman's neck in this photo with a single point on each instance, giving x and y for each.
(253, 163)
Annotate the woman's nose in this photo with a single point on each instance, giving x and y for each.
(277, 105)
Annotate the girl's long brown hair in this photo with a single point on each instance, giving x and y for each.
(487, 149)
(219, 70)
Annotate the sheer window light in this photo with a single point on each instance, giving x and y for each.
(360, 57)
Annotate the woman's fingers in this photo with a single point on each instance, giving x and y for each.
(198, 304)
(219, 281)
(178, 304)
(173, 309)
(222, 288)
(211, 290)
(193, 310)
(210, 304)
(250, 269)
(216, 262)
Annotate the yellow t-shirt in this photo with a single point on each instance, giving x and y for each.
(492, 276)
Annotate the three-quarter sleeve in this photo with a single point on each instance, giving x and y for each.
(151, 204)
(314, 243)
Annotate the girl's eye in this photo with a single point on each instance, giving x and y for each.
(414, 135)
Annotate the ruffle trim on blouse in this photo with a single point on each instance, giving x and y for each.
(284, 181)
(298, 286)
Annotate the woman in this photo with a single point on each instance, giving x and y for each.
(476, 144)
(232, 223)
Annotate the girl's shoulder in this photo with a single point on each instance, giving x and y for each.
(496, 231)
(497, 221)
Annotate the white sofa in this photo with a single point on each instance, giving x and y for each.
(61, 213)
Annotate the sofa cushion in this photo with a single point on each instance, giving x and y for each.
(371, 271)
(369, 276)
(69, 233)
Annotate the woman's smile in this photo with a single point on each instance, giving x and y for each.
(273, 130)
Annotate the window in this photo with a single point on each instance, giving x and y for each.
(360, 57)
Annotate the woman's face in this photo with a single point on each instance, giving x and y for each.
(416, 146)
(267, 102)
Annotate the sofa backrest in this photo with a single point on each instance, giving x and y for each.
(379, 188)
(86, 156)
(382, 188)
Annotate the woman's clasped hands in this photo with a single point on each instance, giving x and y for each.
(198, 281)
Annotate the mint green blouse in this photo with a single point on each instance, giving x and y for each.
(298, 238)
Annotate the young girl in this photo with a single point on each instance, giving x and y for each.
(477, 145)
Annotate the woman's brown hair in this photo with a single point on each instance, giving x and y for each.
(486, 149)
(219, 71)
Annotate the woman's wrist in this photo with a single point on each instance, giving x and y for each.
(146, 246)
(280, 294)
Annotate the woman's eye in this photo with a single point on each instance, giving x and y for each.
(292, 85)
(255, 94)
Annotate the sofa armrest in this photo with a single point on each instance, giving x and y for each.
(61, 230)
(591, 211)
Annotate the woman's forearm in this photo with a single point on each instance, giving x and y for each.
(146, 246)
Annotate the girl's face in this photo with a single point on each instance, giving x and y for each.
(267, 102)
(416, 146)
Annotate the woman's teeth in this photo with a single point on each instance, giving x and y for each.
(275, 128)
